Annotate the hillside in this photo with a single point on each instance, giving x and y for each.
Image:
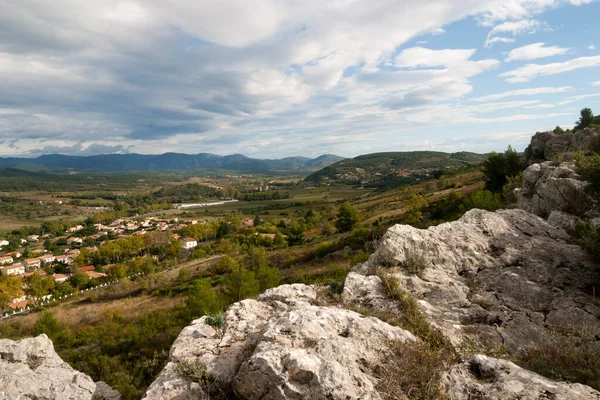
(389, 169)
(168, 161)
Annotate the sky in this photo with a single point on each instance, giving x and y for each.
(279, 78)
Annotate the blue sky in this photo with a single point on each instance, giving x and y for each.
(277, 78)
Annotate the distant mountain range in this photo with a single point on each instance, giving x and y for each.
(168, 161)
(392, 169)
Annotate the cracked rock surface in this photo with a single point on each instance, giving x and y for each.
(504, 278)
(281, 346)
(481, 377)
(31, 369)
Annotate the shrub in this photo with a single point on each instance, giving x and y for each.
(416, 262)
(586, 118)
(499, 167)
(412, 318)
(589, 169)
(413, 369)
(216, 320)
(566, 358)
(588, 237)
(193, 371)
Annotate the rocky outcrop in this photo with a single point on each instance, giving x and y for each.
(548, 187)
(506, 278)
(281, 346)
(496, 279)
(546, 145)
(31, 369)
(481, 377)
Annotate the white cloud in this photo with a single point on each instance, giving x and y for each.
(499, 39)
(597, 83)
(592, 47)
(530, 71)
(525, 26)
(524, 92)
(573, 99)
(535, 51)
(216, 75)
(422, 57)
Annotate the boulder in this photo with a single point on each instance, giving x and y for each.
(281, 346)
(558, 144)
(548, 187)
(481, 377)
(105, 392)
(506, 278)
(31, 369)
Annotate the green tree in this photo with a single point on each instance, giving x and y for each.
(80, 279)
(202, 299)
(241, 284)
(295, 233)
(347, 218)
(499, 167)
(585, 119)
(47, 324)
(266, 276)
(558, 130)
(279, 240)
(37, 287)
(10, 288)
(258, 221)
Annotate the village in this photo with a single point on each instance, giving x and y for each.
(50, 266)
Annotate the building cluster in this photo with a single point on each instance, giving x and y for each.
(15, 264)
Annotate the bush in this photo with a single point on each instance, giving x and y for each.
(499, 167)
(586, 118)
(566, 358)
(589, 169)
(216, 321)
(588, 237)
(416, 262)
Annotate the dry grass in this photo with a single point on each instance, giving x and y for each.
(76, 315)
(413, 369)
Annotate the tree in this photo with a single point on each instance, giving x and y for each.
(258, 221)
(558, 130)
(37, 287)
(47, 324)
(202, 299)
(586, 118)
(10, 288)
(499, 167)
(266, 276)
(347, 218)
(241, 284)
(295, 233)
(79, 279)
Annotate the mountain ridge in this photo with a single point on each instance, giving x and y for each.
(168, 161)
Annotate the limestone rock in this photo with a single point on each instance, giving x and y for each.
(562, 220)
(559, 144)
(281, 347)
(105, 392)
(481, 377)
(505, 278)
(31, 369)
(548, 187)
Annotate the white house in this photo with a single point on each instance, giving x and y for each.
(74, 241)
(4, 243)
(47, 258)
(33, 262)
(6, 260)
(33, 238)
(15, 269)
(189, 243)
(59, 278)
(75, 228)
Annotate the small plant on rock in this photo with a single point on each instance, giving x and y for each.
(216, 321)
(416, 262)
